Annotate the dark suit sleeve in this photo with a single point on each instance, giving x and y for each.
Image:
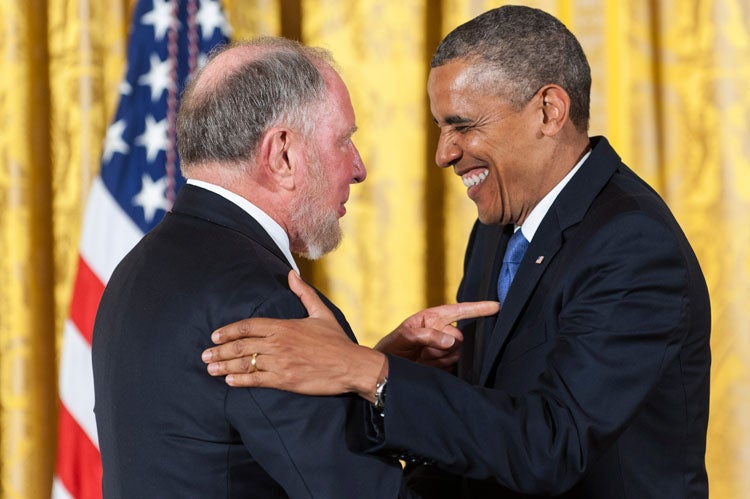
(300, 441)
(623, 312)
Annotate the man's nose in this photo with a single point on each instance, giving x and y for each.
(359, 170)
(447, 152)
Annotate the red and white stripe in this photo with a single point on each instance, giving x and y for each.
(107, 236)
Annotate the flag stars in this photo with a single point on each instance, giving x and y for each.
(160, 17)
(210, 17)
(154, 138)
(158, 77)
(114, 142)
(124, 88)
(152, 196)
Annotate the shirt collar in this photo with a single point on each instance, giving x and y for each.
(531, 224)
(270, 225)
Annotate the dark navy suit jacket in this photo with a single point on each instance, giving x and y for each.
(593, 380)
(168, 429)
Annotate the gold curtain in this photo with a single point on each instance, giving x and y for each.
(670, 92)
(26, 301)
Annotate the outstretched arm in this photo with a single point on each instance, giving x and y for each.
(315, 357)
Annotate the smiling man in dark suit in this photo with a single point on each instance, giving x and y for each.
(592, 382)
(265, 138)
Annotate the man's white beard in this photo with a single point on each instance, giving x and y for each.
(323, 238)
(317, 227)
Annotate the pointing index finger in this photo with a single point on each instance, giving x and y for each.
(468, 310)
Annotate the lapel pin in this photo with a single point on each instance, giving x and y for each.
(539, 259)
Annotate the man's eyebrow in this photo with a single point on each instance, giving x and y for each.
(347, 134)
(454, 120)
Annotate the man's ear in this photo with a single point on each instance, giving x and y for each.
(555, 109)
(277, 158)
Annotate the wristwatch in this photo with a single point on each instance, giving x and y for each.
(380, 394)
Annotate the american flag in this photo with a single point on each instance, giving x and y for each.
(137, 184)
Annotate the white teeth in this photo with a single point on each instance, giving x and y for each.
(470, 180)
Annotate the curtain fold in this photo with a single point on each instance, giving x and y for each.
(670, 82)
(86, 55)
(27, 340)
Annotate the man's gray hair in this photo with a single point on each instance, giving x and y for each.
(225, 119)
(526, 49)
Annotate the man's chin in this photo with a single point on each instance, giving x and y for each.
(488, 218)
(313, 253)
(324, 242)
(316, 252)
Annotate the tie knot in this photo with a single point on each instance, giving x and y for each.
(516, 248)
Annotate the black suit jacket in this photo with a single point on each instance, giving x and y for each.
(593, 380)
(168, 429)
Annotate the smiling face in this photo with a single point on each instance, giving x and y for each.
(495, 147)
(333, 162)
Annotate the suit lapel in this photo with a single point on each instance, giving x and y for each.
(476, 345)
(567, 210)
(527, 277)
(201, 203)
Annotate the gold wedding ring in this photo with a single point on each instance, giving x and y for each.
(254, 361)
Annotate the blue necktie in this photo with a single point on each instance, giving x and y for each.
(511, 261)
